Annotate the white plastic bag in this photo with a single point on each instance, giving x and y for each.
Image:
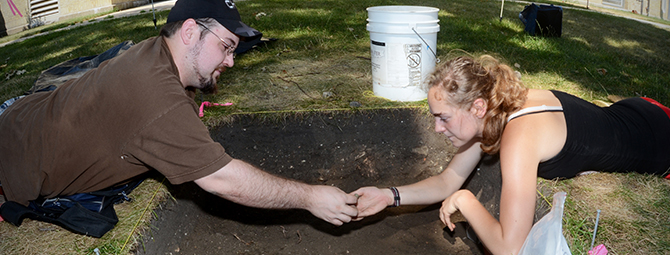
(546, 236)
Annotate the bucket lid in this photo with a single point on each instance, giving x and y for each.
(402, 9)
(403, 14)
(402, 19)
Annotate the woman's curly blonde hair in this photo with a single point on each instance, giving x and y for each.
(466, 79)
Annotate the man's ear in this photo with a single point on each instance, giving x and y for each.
(189, 32)
(479, 107)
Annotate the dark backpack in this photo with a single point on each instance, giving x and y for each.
(544, 20)
(90, 214)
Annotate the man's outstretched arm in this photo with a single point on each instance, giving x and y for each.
(245, 184)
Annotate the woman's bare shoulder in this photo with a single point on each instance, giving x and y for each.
(538, 97)
(543, 134)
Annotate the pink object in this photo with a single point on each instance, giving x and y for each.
(13, 7)
(210, 104)
(598, 250)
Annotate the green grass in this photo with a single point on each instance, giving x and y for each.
(634, 55)
(35, 237)
(634, 212)
(323, 46)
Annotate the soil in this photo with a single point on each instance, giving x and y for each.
(348, 150)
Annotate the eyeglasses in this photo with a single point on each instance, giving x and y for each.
(229, 50)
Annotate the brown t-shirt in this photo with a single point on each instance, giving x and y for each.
(122, 119)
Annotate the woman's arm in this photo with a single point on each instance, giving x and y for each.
(429, 191)
(526, 142)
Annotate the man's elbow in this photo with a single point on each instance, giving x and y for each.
(218, 184)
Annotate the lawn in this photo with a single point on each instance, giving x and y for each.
(323, 46)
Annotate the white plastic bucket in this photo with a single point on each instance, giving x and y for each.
(402, 48)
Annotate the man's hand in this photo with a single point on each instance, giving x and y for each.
(332, 204)
(372, 200)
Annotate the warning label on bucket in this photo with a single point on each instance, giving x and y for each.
(378, 52)
(413, 53)
(396, 64)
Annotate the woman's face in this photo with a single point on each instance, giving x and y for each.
(459, 125)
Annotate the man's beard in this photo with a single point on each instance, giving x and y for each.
(207, 84)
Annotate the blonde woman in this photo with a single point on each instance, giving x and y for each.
(482, 107)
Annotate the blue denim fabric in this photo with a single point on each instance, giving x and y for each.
(8, 103)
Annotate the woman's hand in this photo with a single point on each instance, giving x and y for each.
(450, 206)
(372, 200)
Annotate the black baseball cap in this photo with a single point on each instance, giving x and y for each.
(223, 11)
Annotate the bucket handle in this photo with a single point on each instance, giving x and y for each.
(437, 60)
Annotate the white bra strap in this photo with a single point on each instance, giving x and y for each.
(541, 108)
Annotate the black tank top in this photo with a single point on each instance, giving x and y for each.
(631, 135)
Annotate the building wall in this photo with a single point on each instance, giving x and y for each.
(125, 4)
(652, 8)
(14, 15)
(69, 9)
(659, 8)
(18, 18)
